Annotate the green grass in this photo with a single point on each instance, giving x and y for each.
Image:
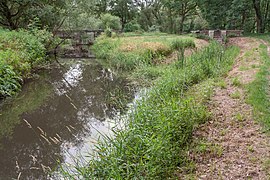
(221, 83)
(258, 90)
(130, 52)
(162, 122)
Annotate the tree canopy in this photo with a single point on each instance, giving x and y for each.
(173, 16)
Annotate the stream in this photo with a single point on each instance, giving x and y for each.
(58, 117)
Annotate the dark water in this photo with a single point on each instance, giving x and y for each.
(58, 116)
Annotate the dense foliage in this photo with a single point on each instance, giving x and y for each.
(19, 53)
(177, 16)
(172, 16)
(16, 14)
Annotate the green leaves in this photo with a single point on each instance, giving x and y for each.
(20, 51)
(9, 81)
(110, 21)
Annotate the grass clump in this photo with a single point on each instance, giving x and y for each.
(236, 82)
(222, 84)
(236, 95)
(180, 46)
(161, 123)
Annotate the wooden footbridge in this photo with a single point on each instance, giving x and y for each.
(76, 43)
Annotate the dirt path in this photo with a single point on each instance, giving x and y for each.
(234, 146)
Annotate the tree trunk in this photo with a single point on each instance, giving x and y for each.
(171, 21)
(259, 18)
(244, 17)
(182, 20)
(266, 11)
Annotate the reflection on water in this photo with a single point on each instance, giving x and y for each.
(57, 117)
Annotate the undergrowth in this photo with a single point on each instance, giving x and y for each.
(20, 52)
(161, 123)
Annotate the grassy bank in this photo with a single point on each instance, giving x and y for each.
(130, 52)
(161, 124)
(258, 90)
(20, 52)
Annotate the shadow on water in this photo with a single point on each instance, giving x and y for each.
(58, 116)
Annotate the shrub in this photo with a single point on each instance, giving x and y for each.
(9, 80)
(110, 21)
(20, 51)
(154, 28)
(202, 36)
(132, 27)
(108, 32)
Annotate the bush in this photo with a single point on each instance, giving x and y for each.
(132, 27)
(20, 51)
(110, 21)
(9, 80)
(154, 28)
(202, 36)
(108, 32)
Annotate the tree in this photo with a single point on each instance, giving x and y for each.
(18, 13)
(124, 9)
(216, 12)
(241, 15)
(110, 21)
(261, 8)
(185, 8)
(259, 18)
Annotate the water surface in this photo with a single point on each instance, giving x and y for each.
(58, 116)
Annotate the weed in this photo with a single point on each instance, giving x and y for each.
(253, 66)
(236, 82)
(223, 132)
(250, 148)
(208, 148)
(222, 84)
(180, 46)
(239, 117)
(236, 95)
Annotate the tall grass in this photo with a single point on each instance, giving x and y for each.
(161, 123)
(180, 46)
(128, 53)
